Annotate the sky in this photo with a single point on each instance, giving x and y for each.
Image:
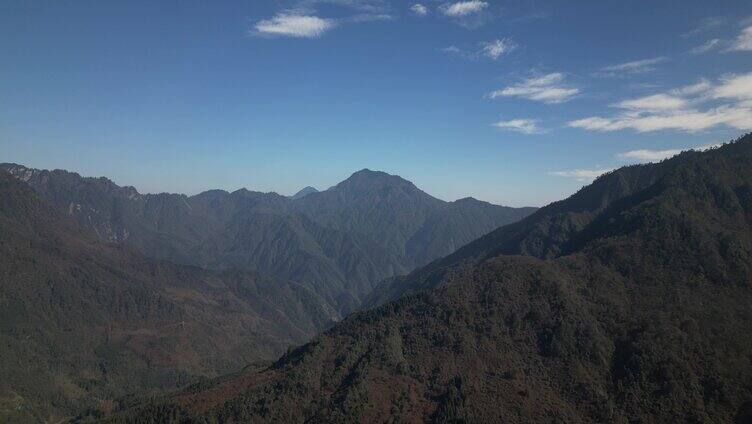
(513, 102)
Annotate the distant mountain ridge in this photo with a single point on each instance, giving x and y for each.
(83, 322)
(403, 218)
(339, 243)
(627, 302)
(304, 192)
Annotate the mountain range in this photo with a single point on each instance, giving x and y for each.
(627, 302)
(83, 321)
(107, 292)
(339, 243)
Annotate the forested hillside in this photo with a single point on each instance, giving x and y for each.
(83, 322)
(628, 302)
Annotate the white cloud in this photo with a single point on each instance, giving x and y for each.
(525, 126)
(679, 109)
(735, 87)
(291, 25)
(495, 49)
(639, 155)
(656, 102)
(419, 9)
(707, 24)
(583, 175)
(645, 155)
(491, 49)
(701, 86)
(464, 8)
(738, 117)
(367, 7)
(706, 46)
(743, 41)
(634, 67)
(547, 88)
(303, 18)
(367, 17)
(465, 54)
(596, 123)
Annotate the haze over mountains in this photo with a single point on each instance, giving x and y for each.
(108, 292)
(358, 296)
(83, 321)
(627, 302)
(339, 243)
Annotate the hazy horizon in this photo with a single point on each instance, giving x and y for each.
(480, 99)
(250, 188)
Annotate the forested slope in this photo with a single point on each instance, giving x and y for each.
(83, 322)
(628, 302)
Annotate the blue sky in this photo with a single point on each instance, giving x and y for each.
(513, 102)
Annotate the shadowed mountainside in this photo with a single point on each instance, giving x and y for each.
(83, 322)
(627, 302)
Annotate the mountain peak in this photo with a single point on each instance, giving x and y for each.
(19, 171)
(369, 178)
(367, 171)
(304, 192)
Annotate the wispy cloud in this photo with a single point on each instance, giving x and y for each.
(648, 155)
(633, 67)
(464, 54)
(525, 126)
(372, 7)
(491, 49)
(291, 25)
(743, 41)
(419, 9)
(366, 17)
(638, 156)
(691, 121)
(464, 8)
(735, 86)
(701, 86)
(582, 175)
(452, 49)
(728, 103)
(707, 46)
(548, 88)
(707, 24)
(655, 102)
(303, 20)
(499, 47)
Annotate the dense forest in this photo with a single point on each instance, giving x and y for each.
(83, 322)
(627, 302)
(107, 292)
